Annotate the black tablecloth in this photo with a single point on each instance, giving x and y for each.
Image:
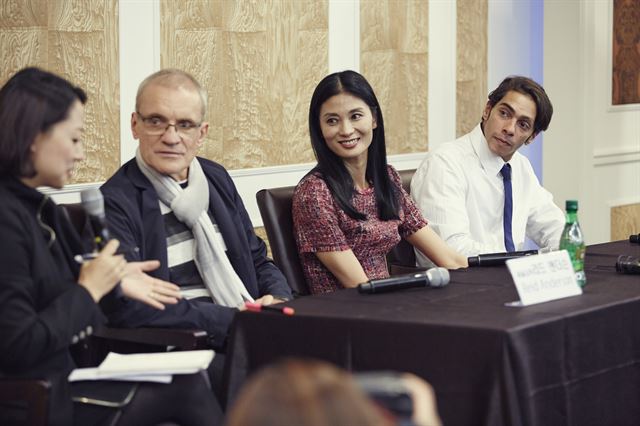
(574, 361)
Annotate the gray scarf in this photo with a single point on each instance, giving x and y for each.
(190, 205)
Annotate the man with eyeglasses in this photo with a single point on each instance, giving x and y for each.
(186, 212)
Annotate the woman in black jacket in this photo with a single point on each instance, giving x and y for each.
(47, 301)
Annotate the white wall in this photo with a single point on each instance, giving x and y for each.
(515, 47)
(592, 150)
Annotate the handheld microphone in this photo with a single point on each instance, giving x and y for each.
(93, 205)
(634, 239)
(494, 259)
(628, 265)
(434, 277)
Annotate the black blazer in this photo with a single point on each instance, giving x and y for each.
(43, 311)
(134, 217)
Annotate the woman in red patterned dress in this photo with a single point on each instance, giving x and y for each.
(351, 210)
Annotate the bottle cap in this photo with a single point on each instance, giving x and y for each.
(571, 205)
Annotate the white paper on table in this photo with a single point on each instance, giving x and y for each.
(84, 374)
(181, 362)
(146, 366)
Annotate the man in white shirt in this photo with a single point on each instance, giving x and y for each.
(477, 192)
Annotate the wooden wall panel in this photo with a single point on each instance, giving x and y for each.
(259, 62)
(625, 220)
(23, 13)
(246, 16)
(393, 58)
(23, 35)
(76, 15)
(21, 47)
(245, 133)
(77, 39)
(625, 59)
(471, 68)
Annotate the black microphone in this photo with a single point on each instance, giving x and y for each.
(93, 205)
(434, 277)
(493, 259)
(634, 239)
(628, 265)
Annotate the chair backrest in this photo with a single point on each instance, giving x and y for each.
(32, 394)
(275, 208)
(405, 178)
(402, 255)
(77, 216)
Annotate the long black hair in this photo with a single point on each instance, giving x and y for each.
(31, 102)
(332, 168)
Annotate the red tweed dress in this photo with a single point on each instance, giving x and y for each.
(320, 225)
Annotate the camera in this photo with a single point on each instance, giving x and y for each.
(388, 390)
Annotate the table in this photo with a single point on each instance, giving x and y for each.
(574, 361)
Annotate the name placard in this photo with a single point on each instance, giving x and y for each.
(544, 277)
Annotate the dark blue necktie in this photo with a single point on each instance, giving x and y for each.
(508, 207)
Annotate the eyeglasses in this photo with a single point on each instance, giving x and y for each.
(156, 126)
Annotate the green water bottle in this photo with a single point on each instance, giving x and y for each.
(573, 242)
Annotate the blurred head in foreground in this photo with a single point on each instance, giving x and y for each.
(304, 393)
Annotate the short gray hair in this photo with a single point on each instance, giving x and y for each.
(169, 76)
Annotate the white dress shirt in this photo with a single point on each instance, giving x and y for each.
(460, 191)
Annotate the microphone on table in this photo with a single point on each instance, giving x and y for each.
(494, 259)
(634, 238)
(434, 277)
(628, 265)
(93, 205)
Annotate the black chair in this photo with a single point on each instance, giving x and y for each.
(31, 394)
(402, 259)
(127, 340)
(106, 339)
(405, 178)
(275, 209)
